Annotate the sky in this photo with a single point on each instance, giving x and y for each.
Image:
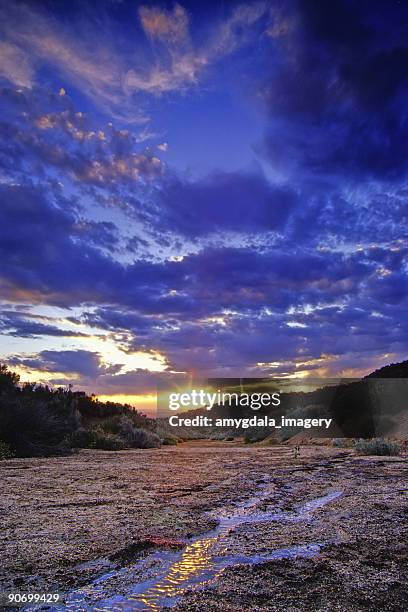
(216, 189)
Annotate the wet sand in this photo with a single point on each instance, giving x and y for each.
(65, 522)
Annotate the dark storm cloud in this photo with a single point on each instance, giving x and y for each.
(242, 342)
(336, 98)
(224, 201)
(106, 168)
(245, 279)
(114, 320)
(391, 289)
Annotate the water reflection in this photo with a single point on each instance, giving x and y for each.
(194, 561)
(199, 562)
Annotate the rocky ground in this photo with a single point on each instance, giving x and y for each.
(64, 521)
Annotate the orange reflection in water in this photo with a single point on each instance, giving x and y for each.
(195, 559)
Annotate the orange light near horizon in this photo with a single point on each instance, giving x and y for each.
(43, 376)
(143, 403)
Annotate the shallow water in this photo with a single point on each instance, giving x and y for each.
(199, 562)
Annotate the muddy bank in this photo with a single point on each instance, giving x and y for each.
(128, 516)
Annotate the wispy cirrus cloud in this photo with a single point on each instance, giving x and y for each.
(178, 62)
(15, 65)
(171, 27)
(93, 61)
(234, 31)
(36, 40)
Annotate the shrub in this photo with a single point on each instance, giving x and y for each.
(170, 441)
(106, 441)
(377, 446)
(255, 434)
(136, 437)
(35, 428)
(339, 443)
(141, 438)
(112, 424)
(217, 435)
(82, 438)
(5, 451)
(95, 438)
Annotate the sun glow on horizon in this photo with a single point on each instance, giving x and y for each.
(143, 403)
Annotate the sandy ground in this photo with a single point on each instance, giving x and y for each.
(62, 519)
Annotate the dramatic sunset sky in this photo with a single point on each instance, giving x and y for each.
(208, 187)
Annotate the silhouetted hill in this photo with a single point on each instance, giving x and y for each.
(394, 370)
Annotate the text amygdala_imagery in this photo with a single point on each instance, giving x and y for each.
(245, 423)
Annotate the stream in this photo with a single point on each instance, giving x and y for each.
(168, 574)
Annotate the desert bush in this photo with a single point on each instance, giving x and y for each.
(95, 438)
(107, 441)
(5, 451)
(145, 439)
(136, 437)
(166, 435)
(255, 434)
(217, 435)
(32, 428)
(110, 413)
(339, 443)
(82, 438)
(377, 446)
(112, 424)
(170, 441)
